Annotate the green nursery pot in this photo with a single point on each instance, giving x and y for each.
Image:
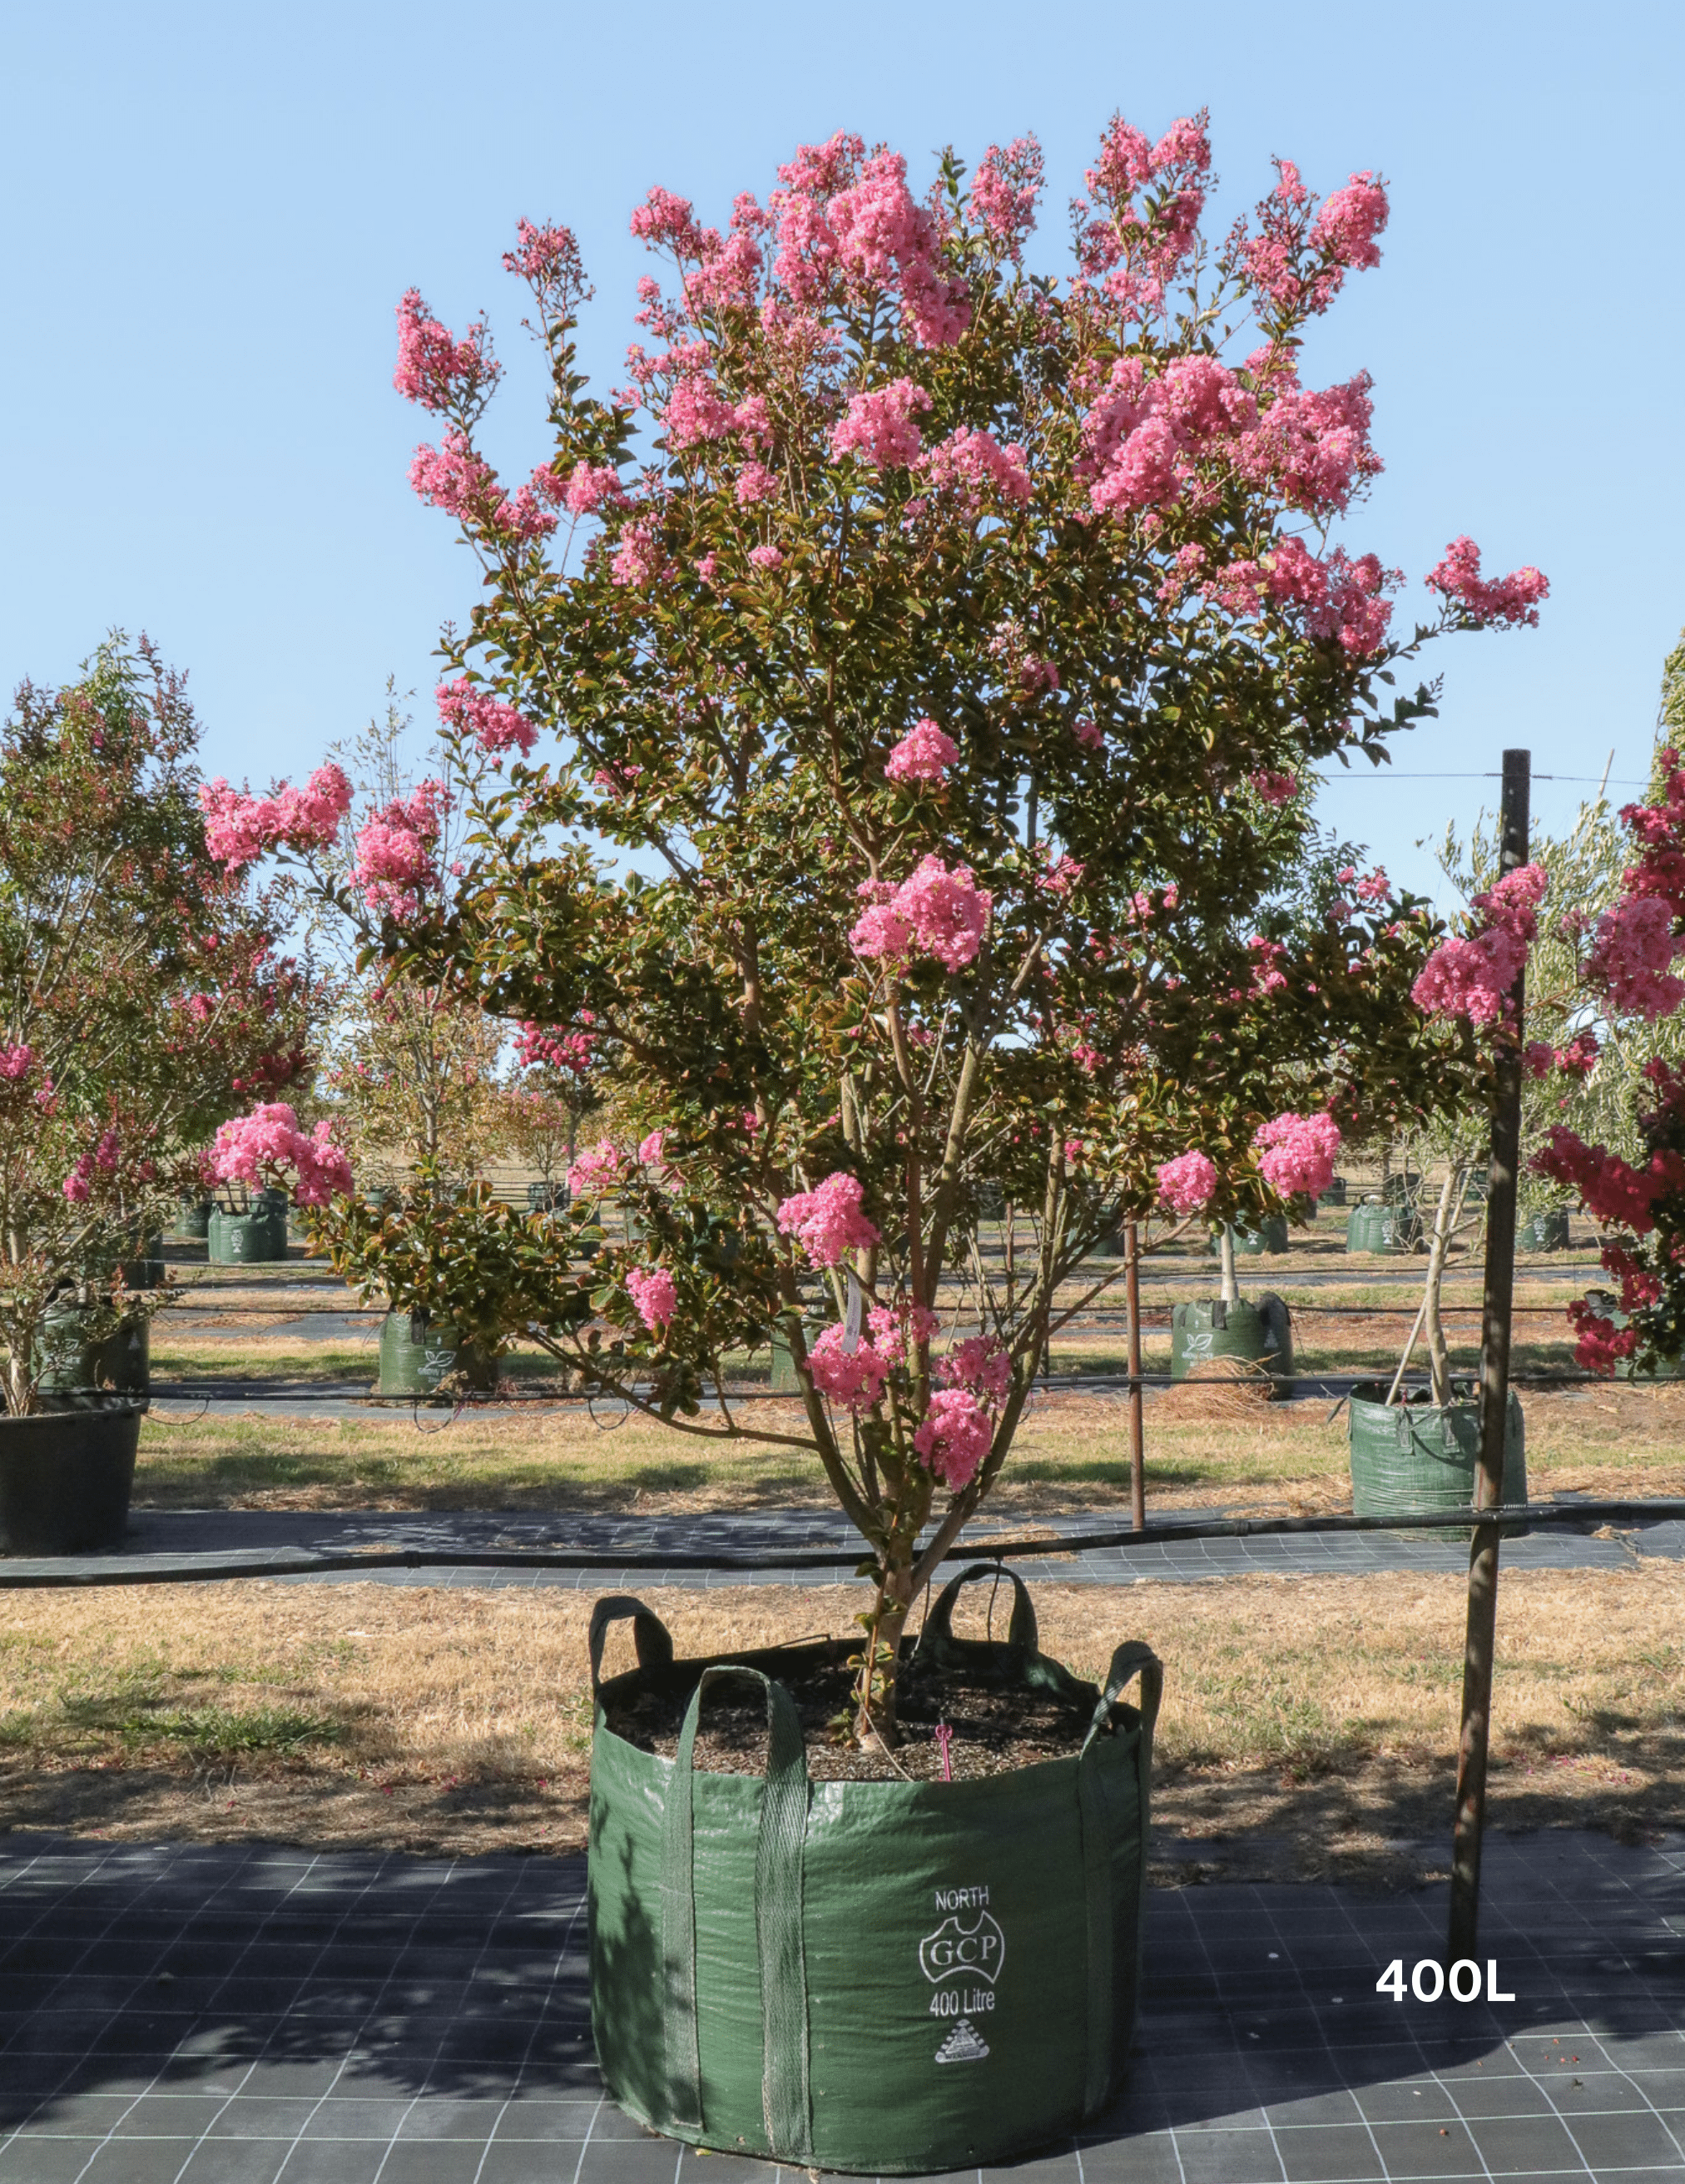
(1545, 1232)
(1260, 1331)
(194, 1219)
(887, 1978)
(1270, 1236)
(82, 1371)
(417, 1354)
(1381, 1228)
(245, 1239)
(1411, 1457)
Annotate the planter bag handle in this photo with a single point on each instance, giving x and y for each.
(785, 2100)
(1021, 1658)
(650, 1634)
(1131, 1658)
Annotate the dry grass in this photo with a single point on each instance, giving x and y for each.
(1307, 1728)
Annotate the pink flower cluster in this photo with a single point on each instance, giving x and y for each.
(972, 462)
(1609, 1186)
(1632, 947)
(843, 217)
(267, 1145)
(454, 478)
(1333, 598)
(14, 1062)
(1274, 788)
(494, 725)
(1298, 259)
(589, 486)
(654, 1294)
(828, 1223)
(934, 912)
(573, 1051)
(880, 426)
(395, 861)
(1472, 977)
(954, 1438)
(1298, 1152)
(596, 1171)
(924, 753)
(442, 374)
(239, 828)
(855, 1379)
(1511, 601)
(1267, 955)
(1187, 1182)
(980, 1365)
(1004, 191)
(1139, 253)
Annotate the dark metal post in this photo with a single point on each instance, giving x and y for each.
(1137, 1437)
(1500, 1282)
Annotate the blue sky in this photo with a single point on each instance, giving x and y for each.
(213, 211)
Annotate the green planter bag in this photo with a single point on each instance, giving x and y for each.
(243, 1240)
(195, 1219)
(891, 1978)
(416, 1354)
(1253, 1243)
(80, 1371)
(1410, 1459)
(1261, 1332)
(1545, 1232)
(1381, 1228)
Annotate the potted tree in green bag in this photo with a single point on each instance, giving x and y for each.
(140, 1002)
(924, 723)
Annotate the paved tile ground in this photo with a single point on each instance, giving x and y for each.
(210, 1542)
(199, 2014)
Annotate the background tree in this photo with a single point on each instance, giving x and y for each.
(141, 998)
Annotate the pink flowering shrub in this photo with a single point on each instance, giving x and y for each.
(879, 507)
(653, 1293)
(828, 1223)
(923, 754)
(1187, 1182)
(267, 1146)
(1298, 1153)
(1632, 947)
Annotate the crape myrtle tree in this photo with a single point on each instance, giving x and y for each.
(929, 655)
(141, 997)
(1599, 933)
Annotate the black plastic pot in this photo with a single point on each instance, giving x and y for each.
(65, 1480)
(546, 1197)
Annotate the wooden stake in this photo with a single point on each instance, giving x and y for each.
(1500, 1282)
(1137, 1432)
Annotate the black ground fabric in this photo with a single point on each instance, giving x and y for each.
(249, 2015)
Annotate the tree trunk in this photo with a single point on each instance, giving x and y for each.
(1230, 1290)
(1445, 1220)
